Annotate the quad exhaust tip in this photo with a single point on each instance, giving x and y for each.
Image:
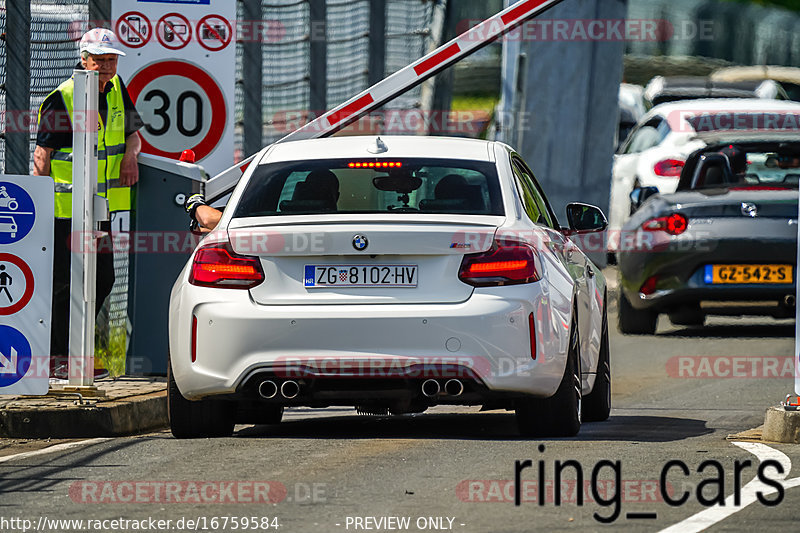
(430, 388)
(290, 389)
(268, 389)
(454, 387)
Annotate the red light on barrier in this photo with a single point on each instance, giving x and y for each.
(187, 156)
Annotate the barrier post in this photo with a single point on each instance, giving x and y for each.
(83, 260)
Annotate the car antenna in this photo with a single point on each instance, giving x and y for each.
(379, 147)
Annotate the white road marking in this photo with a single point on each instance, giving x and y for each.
(708, 517)
(52, 449)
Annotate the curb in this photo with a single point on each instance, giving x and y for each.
(781, 425)
(103, 419)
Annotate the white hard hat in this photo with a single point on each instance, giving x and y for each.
(100, 41)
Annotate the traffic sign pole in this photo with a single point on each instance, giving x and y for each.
(83, 262)
(398, 83)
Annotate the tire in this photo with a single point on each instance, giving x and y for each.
(597, 404)
(197, 419)
(634, 321)
(559, 415)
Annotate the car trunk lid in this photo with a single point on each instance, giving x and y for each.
(420, 256)
(751, 202)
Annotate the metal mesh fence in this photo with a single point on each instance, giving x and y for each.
(55, 32)
(54, 48)
(348, 49)
(407, 37)
(286, 72)
(734, 31)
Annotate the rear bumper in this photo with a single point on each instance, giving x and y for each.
(347, 353)
(737, 300)
(679, 268)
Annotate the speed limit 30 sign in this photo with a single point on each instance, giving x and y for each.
(180, 71)
(182, 107)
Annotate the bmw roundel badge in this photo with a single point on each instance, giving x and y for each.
(360, 243)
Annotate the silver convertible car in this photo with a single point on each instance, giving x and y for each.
(391, 275)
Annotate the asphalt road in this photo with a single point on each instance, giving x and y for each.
(677, 396)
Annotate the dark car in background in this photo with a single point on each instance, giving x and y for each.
(725, 243)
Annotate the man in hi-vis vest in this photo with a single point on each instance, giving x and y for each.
(118, 148)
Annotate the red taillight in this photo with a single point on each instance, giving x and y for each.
(669, 168)
(217, 265)
(532, 327)
(194, 338)
(674, 224)
(649, 286)
(509, 263)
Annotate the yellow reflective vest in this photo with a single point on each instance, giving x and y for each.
(110, 150)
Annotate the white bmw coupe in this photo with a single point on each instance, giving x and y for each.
(391, 275)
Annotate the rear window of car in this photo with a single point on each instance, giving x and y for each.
(370, 185)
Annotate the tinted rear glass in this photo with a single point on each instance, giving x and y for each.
(367, 185)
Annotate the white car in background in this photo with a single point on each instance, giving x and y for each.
(390, 275)
(656, 150)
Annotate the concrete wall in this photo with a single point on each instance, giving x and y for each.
(567, 103)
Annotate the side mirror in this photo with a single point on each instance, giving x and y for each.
(640, 195)
(585, 218)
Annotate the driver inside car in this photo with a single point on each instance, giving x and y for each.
(323, 183)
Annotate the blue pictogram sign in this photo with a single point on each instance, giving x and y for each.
(15, 356)
(17, 213)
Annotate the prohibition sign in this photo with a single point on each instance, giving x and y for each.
(211, 90)
(173, 31)
(134, 29)
(212, 28)
(26, 271)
